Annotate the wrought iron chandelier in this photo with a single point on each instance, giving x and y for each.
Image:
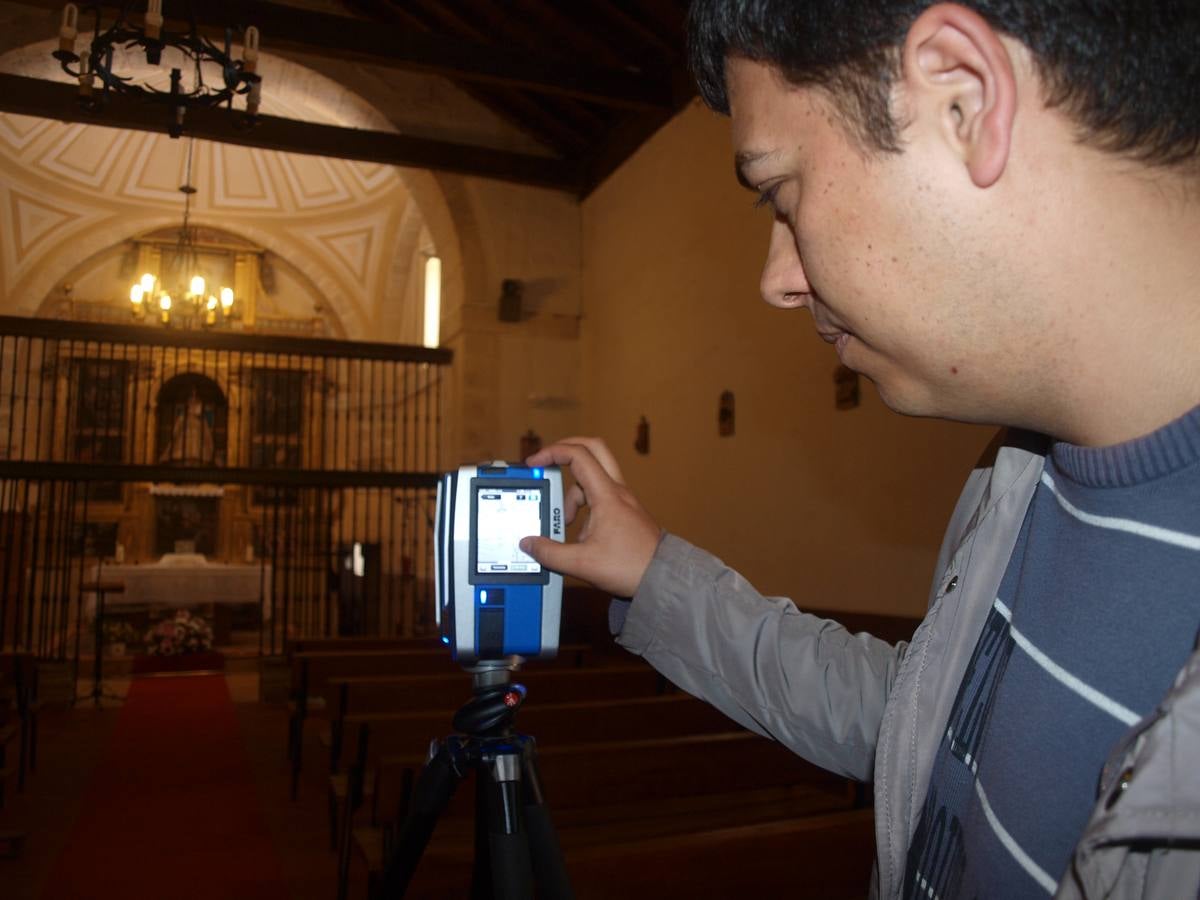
(95, 63)
(197, 304)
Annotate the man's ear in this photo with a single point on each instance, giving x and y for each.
(958, 71)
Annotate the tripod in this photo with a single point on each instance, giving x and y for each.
(516, 846)
(98, 694)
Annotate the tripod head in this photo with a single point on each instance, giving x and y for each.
(490, 712)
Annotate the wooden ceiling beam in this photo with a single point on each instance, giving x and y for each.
(500, 22)
(631, 25)
(531, 117)
(515, 107)
(287, 28)
(55, 100)
(567, 33)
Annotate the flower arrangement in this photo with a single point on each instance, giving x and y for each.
(185, 633)
(119, 631)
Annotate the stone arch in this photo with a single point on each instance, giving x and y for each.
(293, 87)
(66, 260)
(451, 227)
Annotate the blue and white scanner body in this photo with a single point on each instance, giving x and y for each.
(494, 601)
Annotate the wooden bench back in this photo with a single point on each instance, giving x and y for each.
(370, 737)
(312, 670)
(635, 771)
(355, 644)
(356, 695)
(19, 671)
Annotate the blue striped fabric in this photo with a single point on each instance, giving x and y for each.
(1097, 612)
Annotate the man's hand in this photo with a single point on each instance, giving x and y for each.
(619, 539)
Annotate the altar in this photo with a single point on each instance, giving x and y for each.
(181, 580)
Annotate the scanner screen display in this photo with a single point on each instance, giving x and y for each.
(505, 515)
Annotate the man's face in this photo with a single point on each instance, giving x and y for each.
(881, 248)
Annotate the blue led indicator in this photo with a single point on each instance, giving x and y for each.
(445, 640)
(537, 473)
(483, 596)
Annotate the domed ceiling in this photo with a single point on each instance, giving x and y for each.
(69, 191)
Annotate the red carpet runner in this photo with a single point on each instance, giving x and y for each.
(171, 810)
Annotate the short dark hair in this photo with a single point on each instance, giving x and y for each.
(1127, 72)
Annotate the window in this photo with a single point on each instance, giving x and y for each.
(433, 301)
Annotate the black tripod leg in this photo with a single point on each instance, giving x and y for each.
(98, 663)
(508, 846)
(431, 795)
(481, 871)
(549, 870)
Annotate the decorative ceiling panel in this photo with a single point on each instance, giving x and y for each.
(313, 181)
(83, 160)
(369, 175)
(352, 248)
(33, 224)
(18, 132)
(158, 171)
(240, 179)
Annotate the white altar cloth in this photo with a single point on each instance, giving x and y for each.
(174, 582)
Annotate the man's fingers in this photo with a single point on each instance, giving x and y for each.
(603, 455)
(574, 500)
(596, 447)
(592, 477)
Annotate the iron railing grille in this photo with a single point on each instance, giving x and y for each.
(314, 460)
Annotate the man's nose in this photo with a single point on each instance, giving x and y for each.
(784, 283)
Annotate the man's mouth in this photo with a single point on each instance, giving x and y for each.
(839, 339)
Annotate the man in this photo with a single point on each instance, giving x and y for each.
(993, 212)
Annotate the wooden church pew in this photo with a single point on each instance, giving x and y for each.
(366, 695)
(19, 695)
(355, 643)
(800, 847)
(374, 736)
(10, 735)
(311, 671)
(635, 789)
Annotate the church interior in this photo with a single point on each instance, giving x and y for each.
(267, 269)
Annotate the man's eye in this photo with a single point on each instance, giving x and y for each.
(767, 197)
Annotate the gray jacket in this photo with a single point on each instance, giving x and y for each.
(876, 712)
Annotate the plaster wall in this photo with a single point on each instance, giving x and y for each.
(510, 377)
(836, 509)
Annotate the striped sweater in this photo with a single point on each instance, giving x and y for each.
(1098, 610)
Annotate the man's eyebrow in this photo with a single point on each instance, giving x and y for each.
(745, 159)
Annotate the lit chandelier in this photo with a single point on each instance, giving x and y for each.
(197, 304)
(95, 63)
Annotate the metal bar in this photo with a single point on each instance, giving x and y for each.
(7, 524)
(68, 556)
(79, 608)
(52, 512)
(214, 474)
(262, 577)
(21, 556)
(335, 438)
(219, 340)
(12, 395)
(24, 432)
(34, 555)
(54, 378)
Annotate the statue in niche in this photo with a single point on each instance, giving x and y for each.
(191, 434)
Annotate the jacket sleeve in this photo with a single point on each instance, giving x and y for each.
(800, 679)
